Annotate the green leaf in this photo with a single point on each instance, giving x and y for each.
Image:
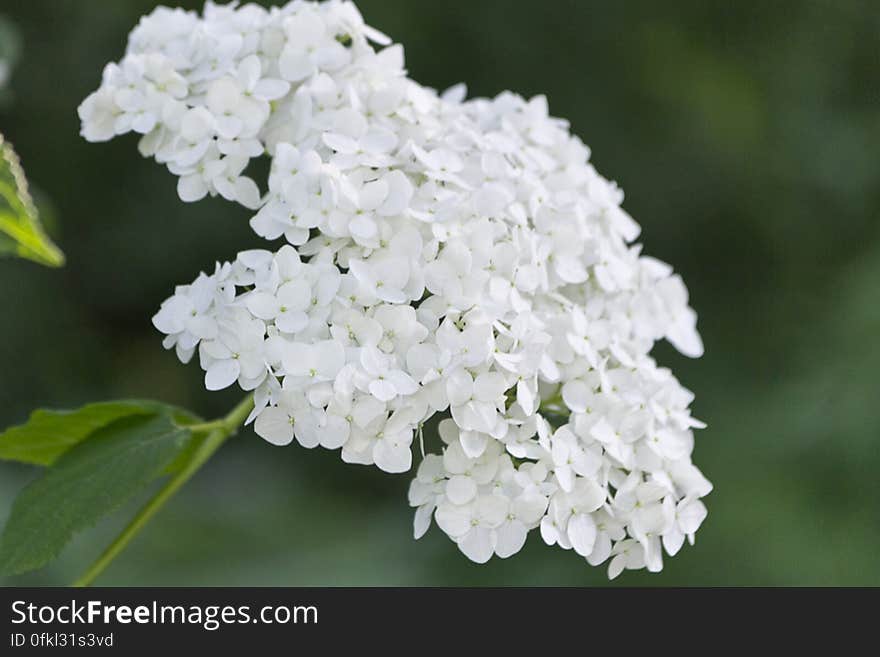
(48, 434)
(20, 230)
(89, 481)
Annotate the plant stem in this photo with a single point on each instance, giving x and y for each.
(205, 427)
(218, 432)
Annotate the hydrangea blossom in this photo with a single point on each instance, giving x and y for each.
(442, 258)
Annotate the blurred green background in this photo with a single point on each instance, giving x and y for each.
(747, 138)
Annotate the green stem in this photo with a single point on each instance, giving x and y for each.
(205, 427)
(218, 432)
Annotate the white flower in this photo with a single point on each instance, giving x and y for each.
(425, 490)
(572, 458)
(292, 417)
(317, 362)
(233, 186)
(688, 515)
(197, 133)
(144, 86)
(475, 401)
(98, 115)
(444, 259)
(254, 85)
(214, 174)
(569, 520)
(523, 514)
(190, 315)
(466, 474)
(293, 172)
(608, 531)
(309, 47)
(237, 354)
(400, 328)
(380, 376)
(385, 442)
(287, 307)
(384, 280)
(237, 113)
(471, 525)
(470, 344)
(627, 554)
(372, 149)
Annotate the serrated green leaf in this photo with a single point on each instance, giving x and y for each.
(48, 434)
(89, 481)
(20, 230)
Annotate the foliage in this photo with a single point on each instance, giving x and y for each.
(48, 434)
(21, 233)
(87, 482)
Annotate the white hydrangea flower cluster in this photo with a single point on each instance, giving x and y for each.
(445, 257)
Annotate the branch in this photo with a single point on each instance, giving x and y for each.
(218, 432)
